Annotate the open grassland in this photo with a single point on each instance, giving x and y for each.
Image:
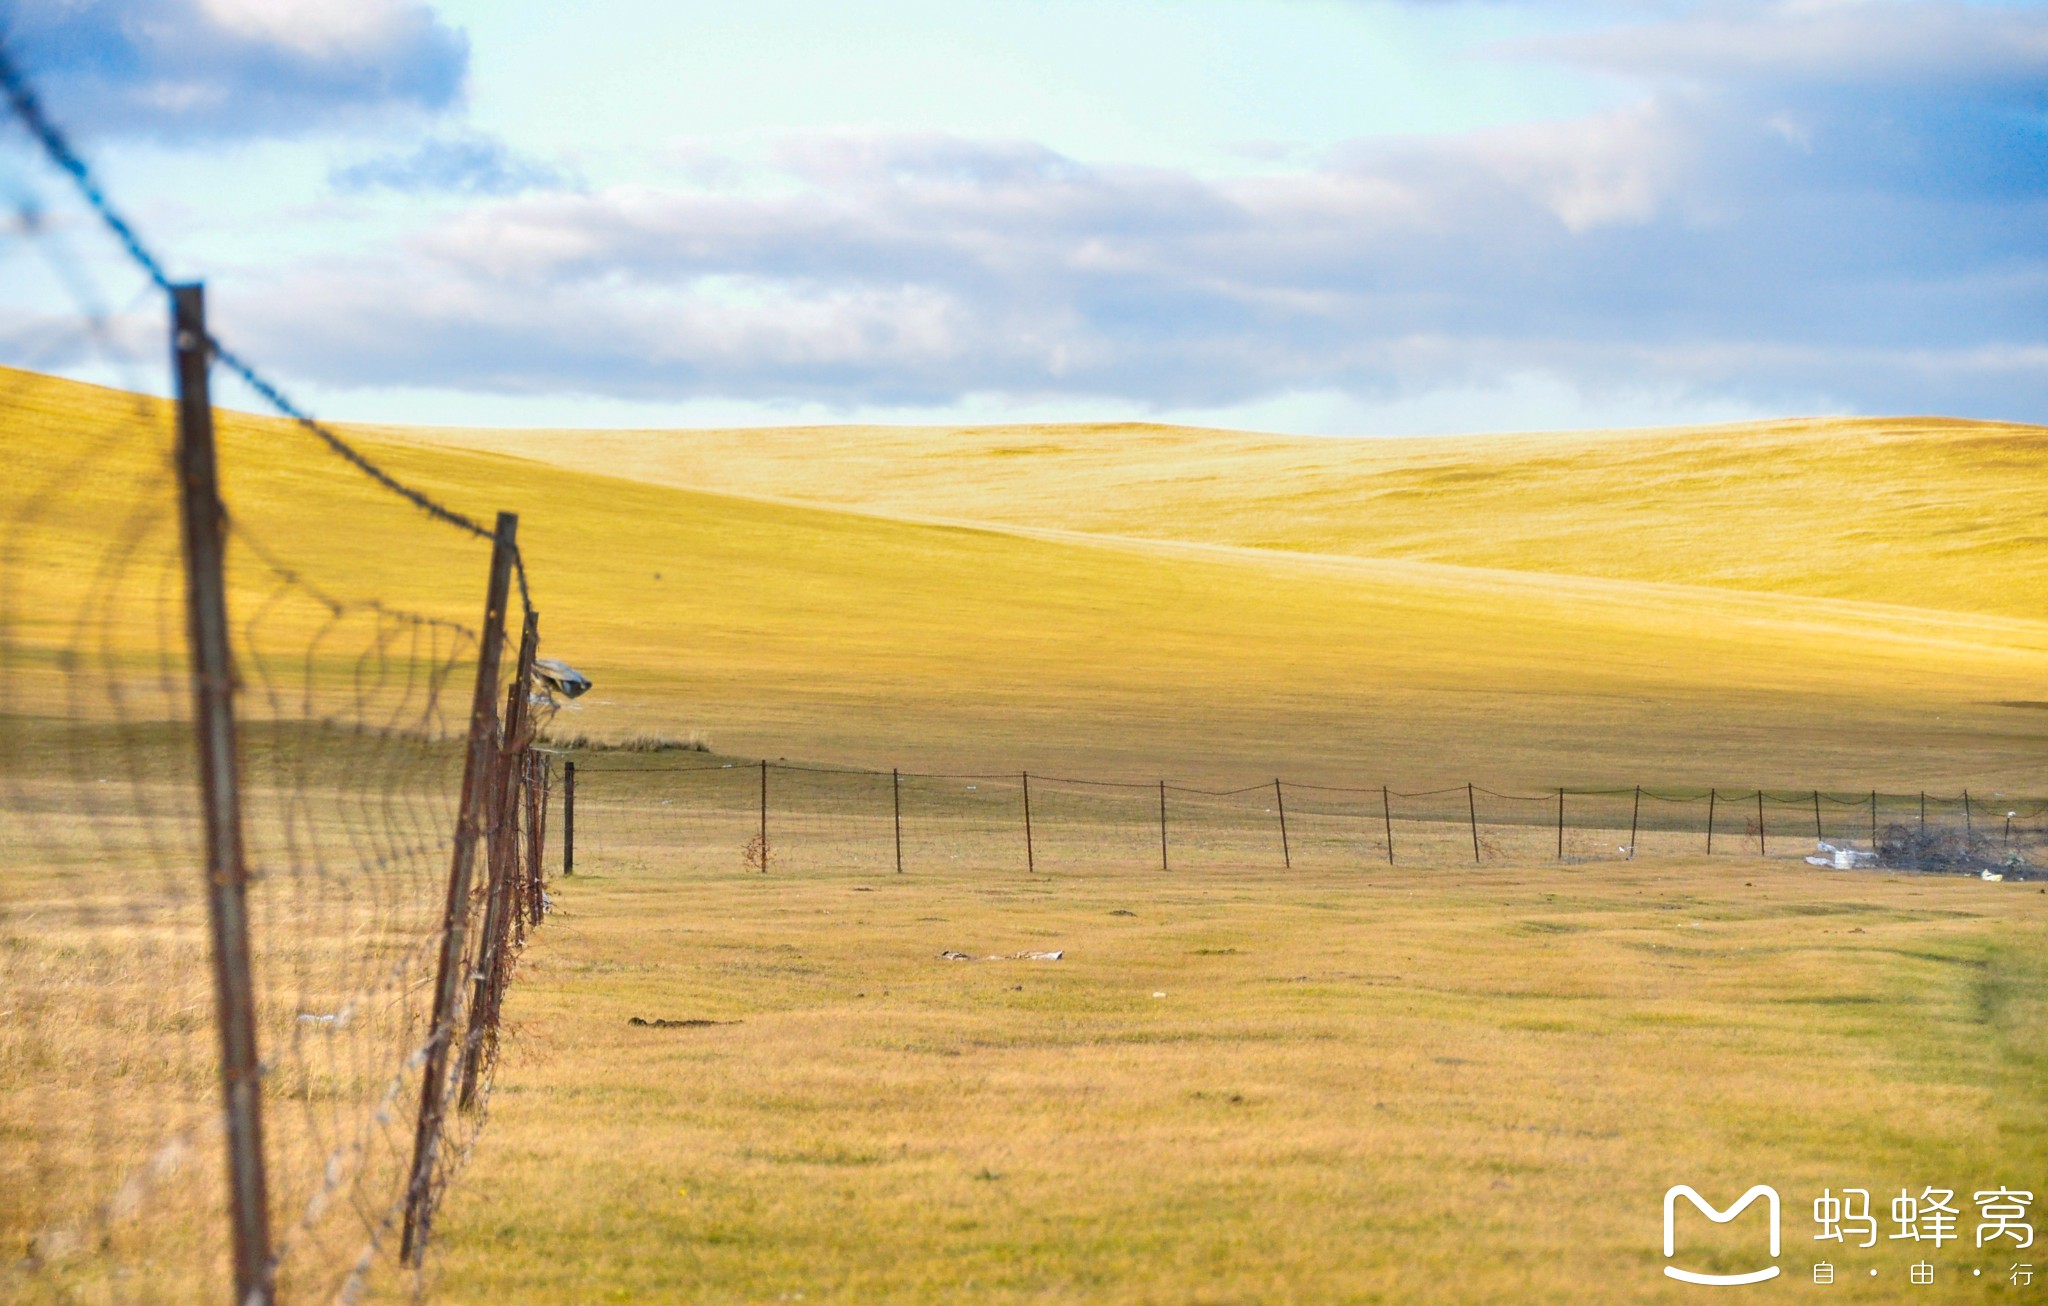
(1360, 1083)
(793, 630)
(1241, 1086)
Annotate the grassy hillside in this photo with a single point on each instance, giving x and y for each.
(803, 631)
(1928, 512)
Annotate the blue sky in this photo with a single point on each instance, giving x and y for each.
(1329, 216)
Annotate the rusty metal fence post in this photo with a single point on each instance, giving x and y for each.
(469, 822)
(203, 520)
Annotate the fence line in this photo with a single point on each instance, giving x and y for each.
(690, 813)
(303, 944)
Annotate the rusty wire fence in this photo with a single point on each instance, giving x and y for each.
(272, 828)
(710, 816)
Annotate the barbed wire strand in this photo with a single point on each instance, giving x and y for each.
(56, 146)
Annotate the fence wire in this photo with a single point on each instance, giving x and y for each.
(709, 816)
(355, 638)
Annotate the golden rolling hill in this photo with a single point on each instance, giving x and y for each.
(1832, 604)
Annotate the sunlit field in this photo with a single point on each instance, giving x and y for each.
(1239, 1085)
(1343, 1082)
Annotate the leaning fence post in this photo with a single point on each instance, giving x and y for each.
(1387, 812)
(1030, 857)
(1162, 826)
(1761, 849)
(896, 802)
(1472, 810)
(1711, 795)
(1280, 802)
(1635, 816)
(1818, 833)
(203, 519)
(455, 910)
(568, 819)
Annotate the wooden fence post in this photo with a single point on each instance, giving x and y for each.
(537, 786)
(568, 819)
(1635, 817)
(1819, 835)
(501, 870)
(896, 803)
(1162, 826)
(455, 910)
(1472, 810)
(1761, 849)
(1030, 856)
(1560, 823)
(1711, 796)
(1387, 811)
(202, 518)
(764, 816)
(1280, 802)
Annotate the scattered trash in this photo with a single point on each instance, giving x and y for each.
(664, 1023)
(1993, 876)
(1158, 995)
(1841, 859)
(319, 1018)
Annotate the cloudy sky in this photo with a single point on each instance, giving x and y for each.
(1328, 216)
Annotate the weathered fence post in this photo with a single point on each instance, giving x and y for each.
(455, 910)
(1761, 849)
(501, 870)
(1560, 823)
(1472, 810)
(1635, 816)
(1030, 856)
(1387, 811)
(539, 778)
(203, 518)
(1162, 826)
(764, 816)
(896, 803)
(1969, 827)
(1873, 820)
(1711, 796)
(1280, 802)
(568, 819)
(1818, 834)
(1923, 813)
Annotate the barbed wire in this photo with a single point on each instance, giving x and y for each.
(56, 146)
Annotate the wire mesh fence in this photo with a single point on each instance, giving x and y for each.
(240, 757)
(710, 817)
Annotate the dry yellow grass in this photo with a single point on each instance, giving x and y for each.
(1341, 1086)
(1484, 1080)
